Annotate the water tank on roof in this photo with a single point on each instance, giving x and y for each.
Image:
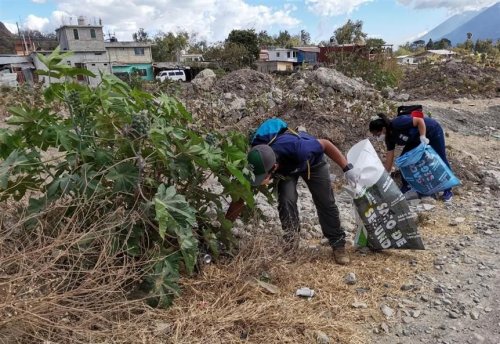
(333, 41)
(81, 20)
(113, 39)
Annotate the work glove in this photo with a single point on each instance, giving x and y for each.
(424, 140)
(352, 176)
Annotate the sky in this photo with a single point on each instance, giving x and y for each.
(396, 21)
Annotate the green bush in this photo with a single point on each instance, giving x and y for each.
(381, 71)
(126, 149)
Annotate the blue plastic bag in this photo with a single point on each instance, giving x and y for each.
(425, 171)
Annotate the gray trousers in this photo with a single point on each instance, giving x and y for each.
(320, 186)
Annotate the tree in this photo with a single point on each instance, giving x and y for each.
(418, 44)
(444, 43)
(247, 39)
(283, 38)
(469, 35)
(265, 40)
(140, 36)
(484, 46)
(168, 45)
(430, 44)
(228, 55)
(350, 32)
(305, 37)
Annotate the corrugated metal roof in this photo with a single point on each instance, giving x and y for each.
(10, 59)
(126, 44)
(308, 49)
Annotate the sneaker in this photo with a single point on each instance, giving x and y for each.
(341, 256)
(447, 196)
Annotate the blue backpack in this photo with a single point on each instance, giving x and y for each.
(268, 131)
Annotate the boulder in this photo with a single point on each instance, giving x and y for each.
(204, 80)
(339, 82)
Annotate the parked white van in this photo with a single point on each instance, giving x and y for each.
(174, 75)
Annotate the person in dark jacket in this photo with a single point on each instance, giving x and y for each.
(288, 157)
(410, 131)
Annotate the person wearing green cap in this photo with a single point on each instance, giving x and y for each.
(288, 157)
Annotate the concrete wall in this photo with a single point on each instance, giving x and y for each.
(283, 55)
(84, 42)
(274, 66)
(127, 55)
(90, 61)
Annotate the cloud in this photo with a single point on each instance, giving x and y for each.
(39, 1)
(451, 5)
(333, 7)
(11, 27)
(33, 22)
(211, 19)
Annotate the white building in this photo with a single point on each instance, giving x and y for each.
(282, 54)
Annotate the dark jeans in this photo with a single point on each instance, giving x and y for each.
(436, 141)
(320, 186)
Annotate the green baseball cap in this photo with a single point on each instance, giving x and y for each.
(261, 160)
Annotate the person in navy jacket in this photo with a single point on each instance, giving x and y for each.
(409, 131)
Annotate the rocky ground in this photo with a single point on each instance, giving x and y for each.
(450, 291)
(455, 298)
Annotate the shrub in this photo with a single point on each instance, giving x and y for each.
(122, 148)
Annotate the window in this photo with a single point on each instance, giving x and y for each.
(139, 51)
(75, 33)
(179, 73)
(141, 72)
(288, 54)
(171, 73)
(92, 33)
(277, 54)
(80, 77)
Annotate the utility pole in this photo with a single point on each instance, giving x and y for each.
(24, 41)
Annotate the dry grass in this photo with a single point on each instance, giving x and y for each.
(46, 293)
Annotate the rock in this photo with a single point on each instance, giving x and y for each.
(415, 313)
(439, 290)
(407, 320)
(402, 97)
(388, 312)
(407, 287)
(453, 315)
(457, 101)
(322, 338)
(474, 314)
(424, 298)
(332, 78)
(350, 278)
(488, 309)
(478, 337)
(384, 327)
(305, 292)
(237, 104)
(358, 304)
(204, 80)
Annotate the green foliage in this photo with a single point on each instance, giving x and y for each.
(167, 45)
(380, 70)
(247, 39)
(127, 149)
(350, 32)
(141, 35)
(229, 56)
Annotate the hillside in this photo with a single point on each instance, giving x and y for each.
(483, 26)
(449, 25)
(6, 40)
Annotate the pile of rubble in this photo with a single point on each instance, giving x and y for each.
(326, 102)
(450, 80)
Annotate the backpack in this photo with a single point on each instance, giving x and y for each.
(268, 131)
(412, 110)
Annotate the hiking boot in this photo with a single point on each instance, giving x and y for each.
(447, 196)
(341, 256)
